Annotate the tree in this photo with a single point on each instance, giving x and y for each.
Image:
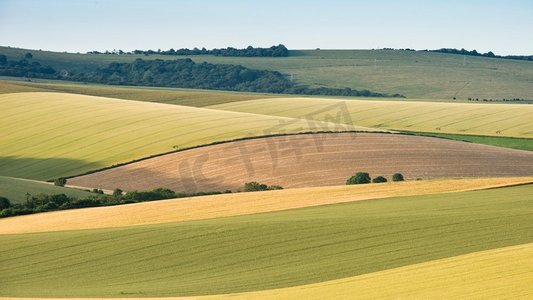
(3, 60)
(397, 177)
(117, 193)
(359, 178)
(379, 179)
(254, 186)
(4, 203)
(61, 181)
(28, 55)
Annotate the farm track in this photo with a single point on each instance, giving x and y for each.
(312, 160)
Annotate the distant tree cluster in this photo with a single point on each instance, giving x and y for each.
(25, 68)
(256, 186)
(475, 53)
(274, 51)
(363, 178)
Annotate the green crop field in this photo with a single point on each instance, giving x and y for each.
(48, 135)
(507, 142)
(500, 120)
(413, 74)
(264, 251)
(15, 189)
(187, 97)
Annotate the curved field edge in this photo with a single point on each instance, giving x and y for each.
(228, 205)
(505, 120)
(264, 251)
(176, 96)
(499, 273)
(15, 189)
(296, 161)
(50, 135)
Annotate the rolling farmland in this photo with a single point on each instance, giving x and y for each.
(499, 273)
(311, 160)
(48, 135)
(187, 97)
(218, 206)
(413, 74)
(503, 120)
(264, 251)
(15, 189)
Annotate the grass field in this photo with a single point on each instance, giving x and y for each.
(15, 189)
(218, 206)
(187, 97)
(264, 251)
(499, 273)
(47, 135)
(502, 120)
(507, 142)
(413, 74)
(310, 160)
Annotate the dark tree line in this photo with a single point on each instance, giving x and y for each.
(475, 53)
(274, 51)
(25, 68)
(181, 73)
(43, 202)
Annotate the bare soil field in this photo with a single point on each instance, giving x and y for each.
(312, 160)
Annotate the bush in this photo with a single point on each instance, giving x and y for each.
(255, 186)
(359, 178)
(117, 193)
(379, 179)
(4, 203)
(61, 181)
(397, 177)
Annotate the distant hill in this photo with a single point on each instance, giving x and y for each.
(417, 74)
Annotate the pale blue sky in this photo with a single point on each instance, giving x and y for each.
(505, 27)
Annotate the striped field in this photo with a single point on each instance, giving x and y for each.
(264, 251)
(506, 120)
(47, 135)
(218, 206)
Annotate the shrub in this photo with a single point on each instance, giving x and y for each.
(397, 177)
(359, 178)
(117, 193)
(4, 203)
(379, 179)
(61, 181)
(255, 186)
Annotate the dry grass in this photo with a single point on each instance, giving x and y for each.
(218, 206)
(312, 160)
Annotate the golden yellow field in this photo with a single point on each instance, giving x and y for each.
(510, 120)
(48, 135)
(217, 206)
(492, 274)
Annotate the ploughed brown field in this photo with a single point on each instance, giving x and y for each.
(309, 160)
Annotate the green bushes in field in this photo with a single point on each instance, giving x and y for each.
(397, 177)
(363, 177)
(60, 181)
(4, 203)
(359, 178)
(379, 179)
(256, 186)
